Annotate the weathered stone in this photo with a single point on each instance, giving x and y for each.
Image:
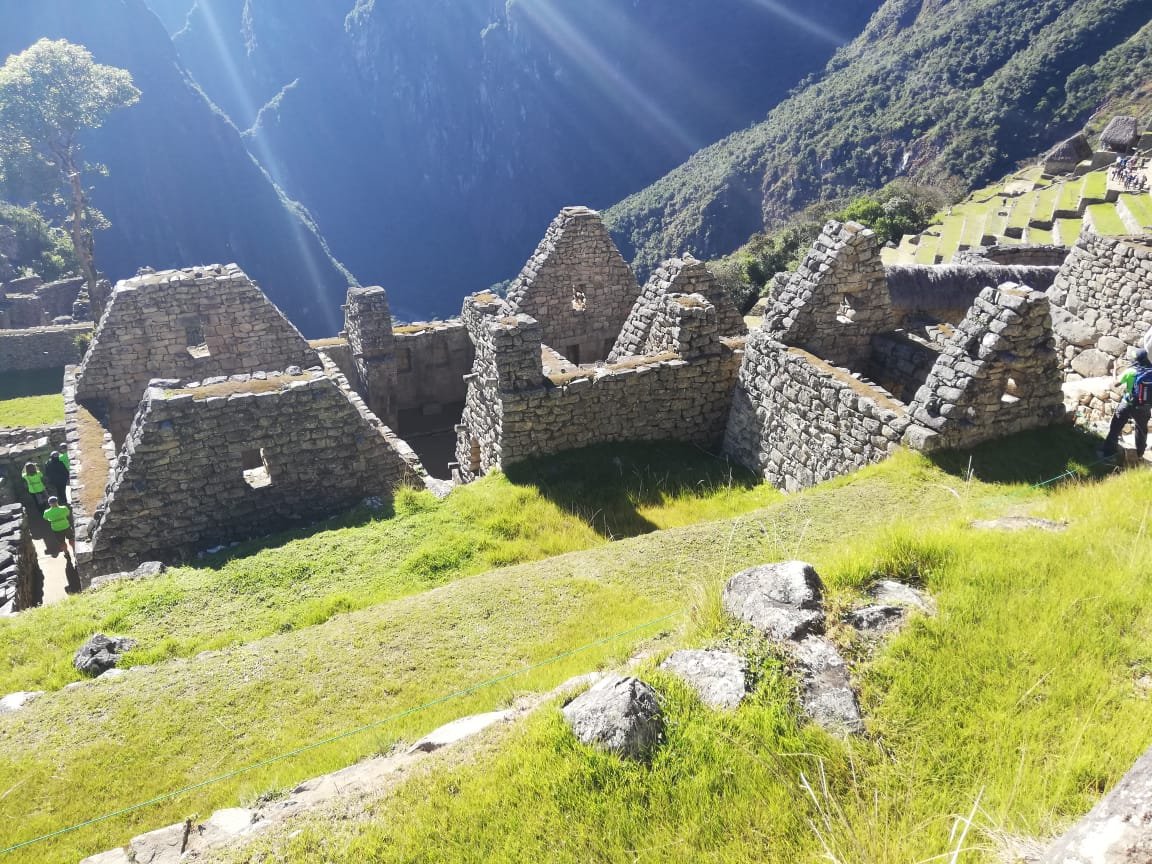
(100, 654)
(826, 693)
(892, 593)
(1072, 330)
(163, 846)
(457, 731)
(720, 678)
(113, 856)
(222, 827)
(783, 601)
(618, 714)
(876, 619)
(14, 702)
(1092, 363)
(1118, 830)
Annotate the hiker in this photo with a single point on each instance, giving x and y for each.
(34, 481)
(60, 521)
(56, 472)
(1136, 405)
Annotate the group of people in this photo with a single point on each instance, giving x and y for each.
(1125, 171)
(55, 477)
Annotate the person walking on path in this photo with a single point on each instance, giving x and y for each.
(34, 482)
(1136, 405)
(56, 472)
(60, 521)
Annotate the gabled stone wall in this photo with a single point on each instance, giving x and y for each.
(208, 464)
(1102, 304)
(837, 299)
(797, 420)
(677, 276)
(998, 375)
(577, 286)
(515, 412)
(187, 324)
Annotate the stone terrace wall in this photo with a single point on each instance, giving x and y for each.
(152, 322)
(1102, 304)
(42, 347)
(997, 376)
(514, 412)
(798, 421)
(946, 291)
(577, 286)
(676, 276)
(1019, 255)
(837, 299)
(192, 472)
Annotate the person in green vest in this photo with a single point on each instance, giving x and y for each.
(60, 521)
(34, 482)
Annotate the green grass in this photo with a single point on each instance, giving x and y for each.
(1021, 211)
(1018, 703)
(973, 228)
(32, 411)
(1095, 186)
(1068, 230)
(926, 251)
(1140, 206)
(79, 752)
(562, 504)
(1045, 202)
(1106, 220)
(1038, 235)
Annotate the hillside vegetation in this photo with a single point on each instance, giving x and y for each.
(951, 94)
(934, 695)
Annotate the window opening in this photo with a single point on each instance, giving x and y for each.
(579, 300)
(194, 339)
(573, 355)
(1011, 394)
(255, 468)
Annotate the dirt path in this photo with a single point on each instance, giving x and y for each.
(60, 577)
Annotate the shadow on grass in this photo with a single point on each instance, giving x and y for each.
(1030, 457)
(38, 382)
(606, 485)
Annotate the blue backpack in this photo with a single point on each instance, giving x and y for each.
(1142, 387)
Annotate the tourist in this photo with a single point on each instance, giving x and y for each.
(34, 481)
(60, 521)
(57, 474)
(1135, 405)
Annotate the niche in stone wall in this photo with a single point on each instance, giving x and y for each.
(579, 300)
(194, 338)
(255, 468)
(1010, 394)
(845, 313)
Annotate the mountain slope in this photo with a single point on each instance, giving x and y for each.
(435, 139)
(182, 188)
(940, 91)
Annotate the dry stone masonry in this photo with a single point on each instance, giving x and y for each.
(43, 347)
(577, 286)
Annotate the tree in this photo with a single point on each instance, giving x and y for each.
(49, 94)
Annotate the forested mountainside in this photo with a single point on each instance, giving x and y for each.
(949, 93)
(433, 140)
(181, 188)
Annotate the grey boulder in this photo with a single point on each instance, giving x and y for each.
(826, 693)
(782, 601)
(101, 653)
(877, 619)
(619, 714)
(718, 677)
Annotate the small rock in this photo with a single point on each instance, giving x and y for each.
(1113, 346)
(1092, 363)
(783, 601)
(458, 730)
(13, 702)
(163, 846)
(1020, 523)
(888, 592)
(876, 619)
(826, 693)
(719, 677)
(618, 714)
(101, 653)
(223, 826)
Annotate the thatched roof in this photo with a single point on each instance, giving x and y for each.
(1073, 150)
(1121, 134)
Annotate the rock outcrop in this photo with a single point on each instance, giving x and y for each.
(620, 715)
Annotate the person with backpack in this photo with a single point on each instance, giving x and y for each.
(1136, 405)
(56, 472)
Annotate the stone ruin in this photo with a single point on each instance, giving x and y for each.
(200, 416)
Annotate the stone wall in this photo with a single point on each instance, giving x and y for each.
(577, 286)
(797, 420)
(432, 359)
(1014, 254)
(21, 580)
(998, 375)
(42, 347)
(946, 291)
(30, 302)
(901, 362)
(837, 299)
(1102, 304)
(18, 447)
(368, 323)
(676, 276)
(514, 411)
(187, 324)
(210, 463)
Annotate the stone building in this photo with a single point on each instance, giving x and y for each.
(577, 286)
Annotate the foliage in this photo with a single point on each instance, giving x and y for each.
(41, 249)
(49, 94)
(950, 94)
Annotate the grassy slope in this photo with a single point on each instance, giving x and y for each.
(963, 90)
(1019, 704)
(32, 411)
(96, 748)
(295, 581)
